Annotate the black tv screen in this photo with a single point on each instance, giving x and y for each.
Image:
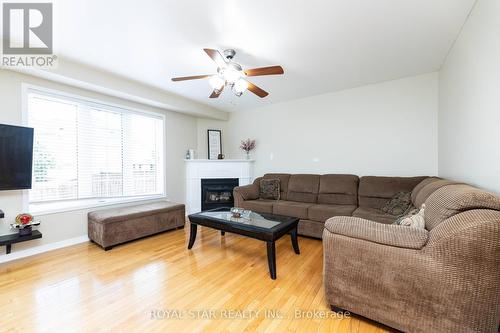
(16, 157)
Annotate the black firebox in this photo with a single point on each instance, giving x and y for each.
(217, 192)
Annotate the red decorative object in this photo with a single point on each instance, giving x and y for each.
(24, 223)
(24, 219)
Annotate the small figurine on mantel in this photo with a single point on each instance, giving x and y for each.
(220, 156)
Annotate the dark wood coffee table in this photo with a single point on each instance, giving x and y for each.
(265, 227)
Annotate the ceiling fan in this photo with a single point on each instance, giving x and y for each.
(230, 74)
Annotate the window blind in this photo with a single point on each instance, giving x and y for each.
(86, 150)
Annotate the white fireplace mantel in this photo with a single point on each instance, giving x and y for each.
(196, 170)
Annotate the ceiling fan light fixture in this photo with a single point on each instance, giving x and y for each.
(216, 82)
(231, 75)
(240, 86)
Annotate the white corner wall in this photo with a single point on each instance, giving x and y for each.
(388, 128)
(469, 102)
(203, 125)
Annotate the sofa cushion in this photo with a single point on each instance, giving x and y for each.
(430, 188)
(338, 189)
(374, 214)
(420, 186)
(375, 191)
(322, 213)
(284, 178)
(291, 208)
(303, 188)
(269, 189)
(392, 235)
(259, 205)
(453, 199)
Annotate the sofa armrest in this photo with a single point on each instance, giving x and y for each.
(386, 234)
(243, 193)
(248, 192)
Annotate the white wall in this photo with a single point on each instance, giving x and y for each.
(181, 134)
(203, 125)
(388, 128)
(469, 102)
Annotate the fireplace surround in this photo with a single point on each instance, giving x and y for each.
(199, 169)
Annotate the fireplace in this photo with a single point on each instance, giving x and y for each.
(217, 192)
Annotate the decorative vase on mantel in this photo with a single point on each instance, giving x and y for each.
(247, 145)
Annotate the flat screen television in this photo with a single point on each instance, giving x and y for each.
(16, 157)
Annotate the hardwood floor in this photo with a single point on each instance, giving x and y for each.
(156, 284)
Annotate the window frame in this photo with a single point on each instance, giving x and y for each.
(46, 208)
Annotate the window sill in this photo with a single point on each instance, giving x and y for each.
(40, 209)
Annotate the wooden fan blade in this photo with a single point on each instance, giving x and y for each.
(256, 90)
(216, 56)
(216, 93)
(195, 77)
(271, 70)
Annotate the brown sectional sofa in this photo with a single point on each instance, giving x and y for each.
(316, 198)
(444, 278)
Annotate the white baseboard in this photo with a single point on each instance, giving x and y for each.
(42, 248)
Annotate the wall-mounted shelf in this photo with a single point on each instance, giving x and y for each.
(8, 240)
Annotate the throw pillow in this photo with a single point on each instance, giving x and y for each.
(413, 220)
(412, 210)
(398, 205)
(269, 189)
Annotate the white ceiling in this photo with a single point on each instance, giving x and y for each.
(323, 45)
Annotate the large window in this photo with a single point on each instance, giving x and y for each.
(86, 152)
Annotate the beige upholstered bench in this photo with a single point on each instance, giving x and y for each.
(110, 227)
